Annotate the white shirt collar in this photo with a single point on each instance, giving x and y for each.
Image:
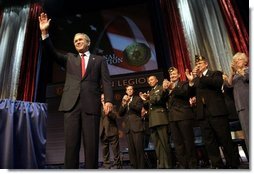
(87, 53)
(204, 73)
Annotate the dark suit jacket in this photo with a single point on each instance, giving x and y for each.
(133, 120)
(157, 106)
(88, 88)
(230, 102)
(178, 104)
(209, 94)
(108, 124)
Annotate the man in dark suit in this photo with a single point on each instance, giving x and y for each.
(131, 107)
(181, 117)
(109, 138)
(155, 102)
(212, 113)
(85, 73)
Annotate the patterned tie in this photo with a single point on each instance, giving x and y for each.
(83, 66)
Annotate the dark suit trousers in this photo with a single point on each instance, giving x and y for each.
(76, 123)
(136, 149)
(163, 150)
(112, 141)
(183, 139)
(215, 132)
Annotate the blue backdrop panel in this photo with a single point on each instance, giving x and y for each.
(22, 134)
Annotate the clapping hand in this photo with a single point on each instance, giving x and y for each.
(193, 101)
(167, 84)
(125, 99)
(144, 96)
(196, 71)
(189, 75)
(108, 107)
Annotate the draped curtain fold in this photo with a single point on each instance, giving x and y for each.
(22, 134)
(1, 15)
(12, 36)
(30, 65)
(178, 49)
(239, 37)
(206, 33)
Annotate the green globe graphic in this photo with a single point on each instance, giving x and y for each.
(137, 54)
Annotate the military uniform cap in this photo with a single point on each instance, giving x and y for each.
(171, 69)
(199, 58)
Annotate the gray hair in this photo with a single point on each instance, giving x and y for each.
(240, 55)
(87, 38)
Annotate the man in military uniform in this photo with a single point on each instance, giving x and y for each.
(155, 101)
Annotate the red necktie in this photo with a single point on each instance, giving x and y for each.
(83, 64)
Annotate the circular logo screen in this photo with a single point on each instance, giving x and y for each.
(137, 54)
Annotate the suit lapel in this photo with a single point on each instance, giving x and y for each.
(208, 73)
(179, 84)
(133, 99)
(77, 62)
(90, 64)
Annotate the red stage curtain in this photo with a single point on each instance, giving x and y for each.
(1, 16)
(175, 35)
(28, 67)
(239, 36)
